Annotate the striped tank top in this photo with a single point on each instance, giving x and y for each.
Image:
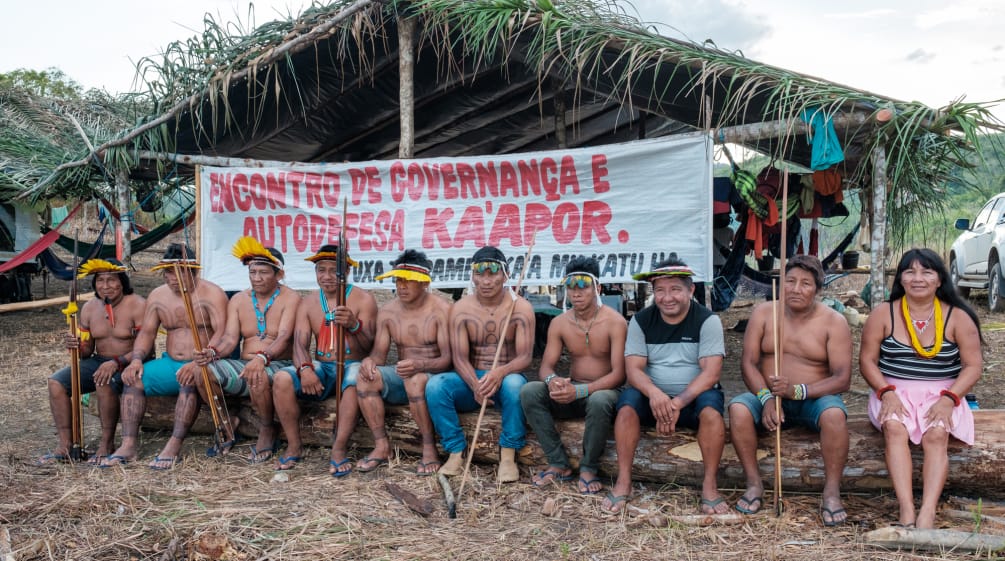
(899, 360)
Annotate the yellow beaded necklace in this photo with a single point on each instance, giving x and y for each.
(939, 328)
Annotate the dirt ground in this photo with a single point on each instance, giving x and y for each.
(226, 509)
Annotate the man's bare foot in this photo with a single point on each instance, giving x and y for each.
(454, 464)
(430, 462)
(552, 474)
(589, 483)
(832, 512)
(615, 503)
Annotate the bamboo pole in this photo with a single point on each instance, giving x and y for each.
(125, 216)
(877, 245)
(406, 86)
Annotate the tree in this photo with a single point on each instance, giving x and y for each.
(51, 82)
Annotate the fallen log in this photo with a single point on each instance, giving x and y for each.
(944, 541)
(676, 459)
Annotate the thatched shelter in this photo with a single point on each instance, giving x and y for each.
(368, 79)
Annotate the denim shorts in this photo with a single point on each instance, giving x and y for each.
(635, 399)
(802, 413)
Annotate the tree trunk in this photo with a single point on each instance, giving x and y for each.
(975, 470)
(877, 279)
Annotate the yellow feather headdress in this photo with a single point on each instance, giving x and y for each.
(95, 266)
(407, 271)
(249, 250)
(168, 263)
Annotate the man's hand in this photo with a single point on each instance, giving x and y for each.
(408, 368)
(71, 341)
(345, 317)
(488, 386)
(104, 373)
(186, 374)
(769, 417)
(254, 373)
(310, 384)
(133, 373)
(203, 357)
(779, 386)
(561, 390)
(368, 370)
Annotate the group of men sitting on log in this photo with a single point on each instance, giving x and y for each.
(661, 369)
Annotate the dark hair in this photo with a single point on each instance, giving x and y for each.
(673, 261)
(946, 291)
(277, 254)
(490, 253)
(808, 263)
(178, 251)
(583, 264)
(413, 257)
(127, 286)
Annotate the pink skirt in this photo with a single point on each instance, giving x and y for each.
(918, 396)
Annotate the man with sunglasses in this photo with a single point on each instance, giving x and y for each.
(673, 360)
(476, 323)
(416, 322)
(594, 336)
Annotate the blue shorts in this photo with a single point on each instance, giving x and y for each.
(393, 391)
(160, 376)
(804, 413)
(326, 373)
(88, 366)
(631, 397)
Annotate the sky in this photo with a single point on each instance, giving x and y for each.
(930, 51)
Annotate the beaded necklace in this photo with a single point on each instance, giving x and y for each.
(939, 330)
(260, 316)
(587, 329)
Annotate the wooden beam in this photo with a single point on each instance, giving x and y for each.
(877, 279)
(406, 87)
(782, 128)
(57, 301)
(934, 540)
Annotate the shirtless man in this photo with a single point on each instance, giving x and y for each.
(313, 377)
(673, 361)
(816, 367)
(416, 322)
(107, 327)
(475, 321)
(594, 336)
(263, 318)
(175, 373)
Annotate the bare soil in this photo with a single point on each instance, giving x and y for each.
(226, 509)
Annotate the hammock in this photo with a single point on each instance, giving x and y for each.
(39, 246)
(64, 271)
(140, 243)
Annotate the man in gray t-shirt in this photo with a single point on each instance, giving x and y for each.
(673, 359)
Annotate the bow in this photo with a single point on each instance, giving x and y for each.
(77, 452)
(341, 274)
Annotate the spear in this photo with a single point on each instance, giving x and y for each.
(77, 452)
(495, 361)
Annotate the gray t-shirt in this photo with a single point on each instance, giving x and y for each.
(672, 350)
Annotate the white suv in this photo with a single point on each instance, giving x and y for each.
(975, 257)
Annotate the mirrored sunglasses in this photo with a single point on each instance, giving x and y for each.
(578, 281)
(491, 266)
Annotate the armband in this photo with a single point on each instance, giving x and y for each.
(265, 357)
(763, 395)
(799, 392)
(549, 378)
(882, 391)
(952, 396)
(83, 334)
(305, 365)
(582, 390)
(356, 327)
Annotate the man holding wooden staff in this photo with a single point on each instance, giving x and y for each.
(477, 323)
(817, 351)
(594, 336)
(313, 376)
(175, 372)
(416, 322)
(107, 328)
(673, 360)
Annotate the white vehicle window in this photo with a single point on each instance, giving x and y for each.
(998, 215)
(984, 214)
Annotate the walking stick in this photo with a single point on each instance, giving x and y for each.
(779, 332)
(77, 452)
(223, 431)
(495, 361)
(341, 273)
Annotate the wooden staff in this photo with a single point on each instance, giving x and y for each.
(495, 361)
(341, 275)
(223, 431)
(77, 452)
(778, 333)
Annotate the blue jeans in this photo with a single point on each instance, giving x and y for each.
(326, 372)
(804, 412)
(447, 393)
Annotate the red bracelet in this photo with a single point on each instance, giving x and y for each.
(305, 365)
(884, 389)
(952, 396)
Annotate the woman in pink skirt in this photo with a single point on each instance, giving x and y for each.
(921, 351)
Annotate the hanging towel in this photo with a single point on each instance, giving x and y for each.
(826, 147)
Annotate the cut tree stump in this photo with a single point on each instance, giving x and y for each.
(974, 471)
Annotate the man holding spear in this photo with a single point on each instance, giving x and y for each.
(817, 350)
(476, 322)
(107, 327)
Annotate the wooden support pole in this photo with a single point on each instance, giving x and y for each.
(560, 125)
(125, 214)
(406, 86)
(877, 279)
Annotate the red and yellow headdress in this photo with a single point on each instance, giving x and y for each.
(407, 271)
(672, 271)
(249, 250)
(97, 266)
(330, 252)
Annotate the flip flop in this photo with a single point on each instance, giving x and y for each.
(423, 465)
(336, 465)
(617, 502)
(258, 457)
(214, 450)
(95, 461)
(52, 459)
(711, 503)
(157, 460)
(586, 485)
(378, 462)
(552, 474)
(750, 508)
(114, 460)
(833, 514)
(292, 460)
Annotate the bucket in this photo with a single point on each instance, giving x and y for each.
(849, 260)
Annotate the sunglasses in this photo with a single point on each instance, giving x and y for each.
(491, 266)
(578, 281)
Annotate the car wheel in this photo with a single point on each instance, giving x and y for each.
(995, 302)
(954, 276)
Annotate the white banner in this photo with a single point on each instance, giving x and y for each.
(629, 205)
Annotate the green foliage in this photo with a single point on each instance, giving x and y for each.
(51, 82)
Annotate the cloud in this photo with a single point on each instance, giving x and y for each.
(920, 56)
(731, 27)
(955, 14)
(868, 14)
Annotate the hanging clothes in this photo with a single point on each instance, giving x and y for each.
(826, 149)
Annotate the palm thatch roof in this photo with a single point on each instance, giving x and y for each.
(494, 77)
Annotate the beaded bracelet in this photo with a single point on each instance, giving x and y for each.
(549, 378)
(265, 357)
(582, 390)
(763, 394)
(952, 396)
(799, 392)
(212, 349)
(356, 327)
(305, 365)
(882, 391)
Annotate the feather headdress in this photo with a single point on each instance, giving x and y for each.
(250, 250)
(96, 266)
(330, 253)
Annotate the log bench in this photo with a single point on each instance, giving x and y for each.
(978, 471)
